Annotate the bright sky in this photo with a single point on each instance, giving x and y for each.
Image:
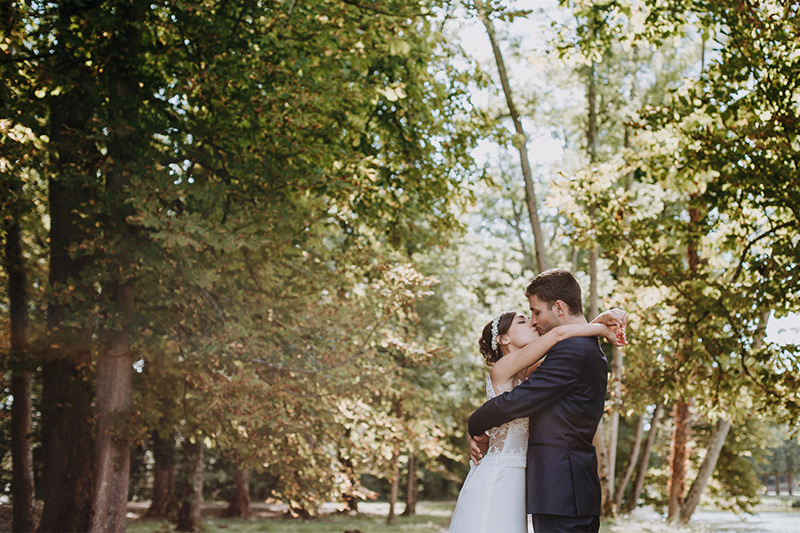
(784, 330)
(532, 34)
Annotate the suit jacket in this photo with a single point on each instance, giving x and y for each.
(564, 399)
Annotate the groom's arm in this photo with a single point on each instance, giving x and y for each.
(560, 372)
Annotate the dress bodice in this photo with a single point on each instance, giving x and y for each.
(512, 437)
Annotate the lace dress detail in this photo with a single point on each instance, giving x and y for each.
(512, 437)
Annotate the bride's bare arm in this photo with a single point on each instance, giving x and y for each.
(514, 362)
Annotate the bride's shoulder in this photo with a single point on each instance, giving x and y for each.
(499, 387)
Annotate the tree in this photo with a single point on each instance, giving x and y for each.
(644, 460)
(520, 138)
(122, 57)
(22, 483)
(239, 505)
(19, 207)
(163, 501)
(707, 295)
(67, 417)
(194, 150)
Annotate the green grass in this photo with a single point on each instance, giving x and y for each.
(431, 517)
(434, 517)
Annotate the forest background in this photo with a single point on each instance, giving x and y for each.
(249, 246)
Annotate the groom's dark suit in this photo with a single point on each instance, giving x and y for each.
(564, 400)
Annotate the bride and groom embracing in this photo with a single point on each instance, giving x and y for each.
(531, 442)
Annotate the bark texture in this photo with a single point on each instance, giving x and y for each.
(21, 421)
(114, 365)
(633, 457)
(411, 487)
(606, 508)
(394, 488)
(644, 460)
(67, 394)
(164, 501)
(715, 444)
(679, 458)
(192, 494)
(239, 504)
(613, 429)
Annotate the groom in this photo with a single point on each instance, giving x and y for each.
(564, 400)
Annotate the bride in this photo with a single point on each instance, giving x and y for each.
(493, 495)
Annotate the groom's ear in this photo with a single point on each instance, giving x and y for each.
(561, 308)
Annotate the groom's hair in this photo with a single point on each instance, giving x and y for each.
(557, 284)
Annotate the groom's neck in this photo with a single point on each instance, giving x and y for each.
(574, 319)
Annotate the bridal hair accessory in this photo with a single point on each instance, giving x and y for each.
(495, 321)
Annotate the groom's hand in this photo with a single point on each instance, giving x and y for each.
(478, 446)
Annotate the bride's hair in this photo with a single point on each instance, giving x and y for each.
(485, 342)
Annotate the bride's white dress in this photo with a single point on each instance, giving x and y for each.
(492, 498)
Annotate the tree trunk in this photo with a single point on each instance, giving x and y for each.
(114, 365)
(602, 470)
(411, 487)
(21, 452)
(631, 464)
(616, 378)
(395, 484)
(164, 502)
(616, 407)
(644, 460)
(716, 443)
(789, 479)
(192, 491)
(239, 505)
(349, 495)
(67, 417)
(679, 458)
(706, 469)
(679, 453)
(604, 462)
(21, 408)
(521, 140)
(67, 478)
(113, 451)
(591, 122)
(524, 245)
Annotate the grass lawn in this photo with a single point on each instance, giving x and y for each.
(431, 517)
(775, 514)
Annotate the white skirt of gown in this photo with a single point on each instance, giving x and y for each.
(492, 498)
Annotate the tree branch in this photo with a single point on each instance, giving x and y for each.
(750, 244)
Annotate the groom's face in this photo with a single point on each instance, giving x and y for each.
(543, 317)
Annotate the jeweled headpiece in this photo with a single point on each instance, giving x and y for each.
(495, 322)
